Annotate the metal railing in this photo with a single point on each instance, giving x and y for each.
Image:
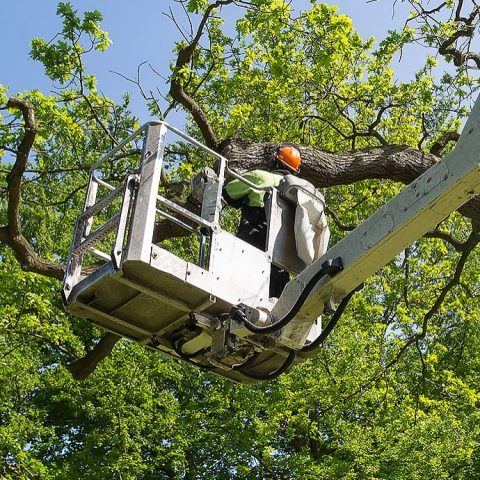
(85, 241)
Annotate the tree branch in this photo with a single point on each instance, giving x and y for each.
(177, 91)
(83, 367)
(11, 234)
(341, 226)
(399, 163)
(446, 237)
(459, 58)
(442, 142)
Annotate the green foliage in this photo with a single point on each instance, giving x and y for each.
(314, 80)
(62, 59)
(369, 406)
(196, 6)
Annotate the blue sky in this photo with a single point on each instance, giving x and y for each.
(140, 32)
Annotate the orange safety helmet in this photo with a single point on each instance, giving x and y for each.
(289, 156)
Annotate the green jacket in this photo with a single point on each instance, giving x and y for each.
(255, 198)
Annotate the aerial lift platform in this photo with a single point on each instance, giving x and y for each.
(213, 310)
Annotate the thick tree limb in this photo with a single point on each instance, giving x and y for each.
(324, 169)
(15, 177)
(399, 163)
(28, 258)
(11, 234)
(83, 367)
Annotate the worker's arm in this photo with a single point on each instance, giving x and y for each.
(235, 191)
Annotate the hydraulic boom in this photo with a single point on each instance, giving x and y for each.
(423, 204)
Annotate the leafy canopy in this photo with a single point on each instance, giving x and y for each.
(395, 391)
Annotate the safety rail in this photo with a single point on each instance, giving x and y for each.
(122, 144)
(177, 221)
(101, 204)
(97, 236)
(84, 241)
(245, 181)
(132, 214)
(184, 212)
(201, 225)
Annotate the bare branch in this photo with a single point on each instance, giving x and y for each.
(470, 244)
(83, 367)
(8, 149)
(338, 222)
(85, 96)
(11, 234)
(177, 91)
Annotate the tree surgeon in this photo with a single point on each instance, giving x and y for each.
(253, 226)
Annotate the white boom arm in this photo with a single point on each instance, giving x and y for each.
(418, 208)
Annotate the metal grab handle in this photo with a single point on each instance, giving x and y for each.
(102, 183)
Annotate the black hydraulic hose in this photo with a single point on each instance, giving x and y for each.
(330, 326)
(271, 375)
(330, 267)
(247, 363)
(308, 348)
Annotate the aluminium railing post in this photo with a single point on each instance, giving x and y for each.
(211, 209)
(142, 225)
(128, 193)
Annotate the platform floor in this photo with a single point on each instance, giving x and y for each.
(147, 305)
